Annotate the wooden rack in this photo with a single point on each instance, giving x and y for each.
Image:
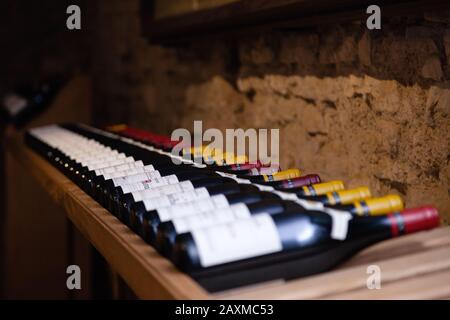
(412, 267)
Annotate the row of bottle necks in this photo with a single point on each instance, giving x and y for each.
(205, 216)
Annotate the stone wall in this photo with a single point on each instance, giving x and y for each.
(371, 108)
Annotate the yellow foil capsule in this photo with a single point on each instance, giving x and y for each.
(117, 127)
(378, 206)
(323, 188)
(283, 175)
(348, 196)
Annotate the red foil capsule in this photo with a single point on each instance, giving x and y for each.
(422, 218)
(300, 181)
(246, 166)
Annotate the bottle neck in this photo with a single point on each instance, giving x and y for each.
(395, 224)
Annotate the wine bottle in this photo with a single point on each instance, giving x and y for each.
(240, 242)
(25, 102)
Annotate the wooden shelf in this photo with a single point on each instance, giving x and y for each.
(414, 266)
(256, 16)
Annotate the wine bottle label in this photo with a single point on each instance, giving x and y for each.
(264, 171)
(340, 220)
(90, 157)
(140, 177)
(226, 174)
(109, 157)
(262, 187)
(308, 205)
(120, 167)
(93, 157)
(133, 171)
(193, 208)
(241, 239)
(176, 198)
(150, 183)
(111, 163)
(208, 216)
(14, 104)
(234, 177)
(163, 190)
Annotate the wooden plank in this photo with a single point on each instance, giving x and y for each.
(353, 278)
(401, 246)
(149, 274)
(430, 286)
(252, 15)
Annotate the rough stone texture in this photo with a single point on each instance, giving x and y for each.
(371, 108)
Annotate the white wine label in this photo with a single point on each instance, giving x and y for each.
(111, 163)
(108, 158)
(88, 154)
(90, 157)
(241, 239)
(264, 170)
(140, 177)
(192, 208)
(308, 205)
(197, 165)
(120, 167)
(163, 190)
(227, 175)
(211, 216)
(177, 198)
(14, 104)
(133, 171)
(150, 183)
(262, 187)
(155, 203)
(340, 220)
